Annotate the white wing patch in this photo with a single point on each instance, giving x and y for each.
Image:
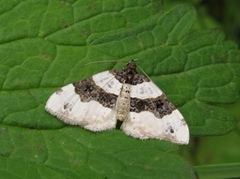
(66, 105)
(145, 125)
(107, 82)
(98, 102)
(145, 90)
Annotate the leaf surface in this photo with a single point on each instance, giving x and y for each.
(46, 44)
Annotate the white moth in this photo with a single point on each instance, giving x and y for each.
(98, 102)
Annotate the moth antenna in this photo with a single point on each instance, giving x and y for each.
(103, 61)
(144, 73)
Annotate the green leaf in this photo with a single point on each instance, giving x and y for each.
(230, 170)
(46, 44)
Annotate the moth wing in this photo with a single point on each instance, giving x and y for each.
(68, 106)
(145, 124)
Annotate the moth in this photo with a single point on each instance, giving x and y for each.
(100, 102)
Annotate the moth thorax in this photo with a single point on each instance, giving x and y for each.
(123, 102)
